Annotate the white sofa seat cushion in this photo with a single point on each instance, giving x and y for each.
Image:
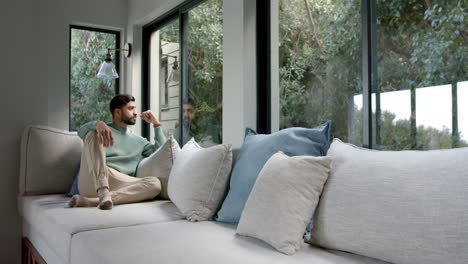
(50, 215)
(182, 242)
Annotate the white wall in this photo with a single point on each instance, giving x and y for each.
(274, 71)
(17, 31)
(239, 69)
(34, 46)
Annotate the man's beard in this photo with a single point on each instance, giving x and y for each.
(128, 120)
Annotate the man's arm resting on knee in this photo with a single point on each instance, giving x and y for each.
(104, 134)
(84, 129)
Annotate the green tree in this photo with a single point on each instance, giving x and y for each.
(421, 44)
(89, 95)
(319, 62)
(205, 70)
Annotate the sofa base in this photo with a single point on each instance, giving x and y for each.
(29, 254)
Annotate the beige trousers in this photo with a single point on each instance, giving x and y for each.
(94, 174)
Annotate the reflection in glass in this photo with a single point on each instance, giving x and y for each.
(164, 54)
(319, 65)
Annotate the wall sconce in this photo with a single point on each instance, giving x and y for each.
(107, 69)
(174, 74)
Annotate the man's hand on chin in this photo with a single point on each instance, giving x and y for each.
(104, 134)
(149, 117)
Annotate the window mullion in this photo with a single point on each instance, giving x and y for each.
(263, 73)
(183, 35)
(369, 66)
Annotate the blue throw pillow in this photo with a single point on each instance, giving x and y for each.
(74, 187)
(255, 152)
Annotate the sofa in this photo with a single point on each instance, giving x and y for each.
(376, 207)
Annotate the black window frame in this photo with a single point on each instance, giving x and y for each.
(263, 51)
(116, 59)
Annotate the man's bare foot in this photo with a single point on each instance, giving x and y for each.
(105, 199)
(106, 205)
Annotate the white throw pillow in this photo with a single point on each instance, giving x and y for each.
(159, 164)
(283, 200)
(199, 179)
(408, 207)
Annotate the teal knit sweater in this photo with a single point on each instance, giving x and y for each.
(128, 148)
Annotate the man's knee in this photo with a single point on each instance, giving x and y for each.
(155, 185)
(91, 137)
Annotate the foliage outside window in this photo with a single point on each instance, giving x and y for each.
(421, 63)
(205, 70)
(89, 95)
(421, 50)
(319, 65)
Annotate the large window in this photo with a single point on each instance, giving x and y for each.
(183, 72)
(89, 95)
(389, 74)
(420, 65)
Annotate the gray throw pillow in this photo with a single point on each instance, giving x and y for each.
(408, 207)
(159, 164)
(283, 200)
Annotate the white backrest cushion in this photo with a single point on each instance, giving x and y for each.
(159, 164)
(408, 207)
(50, 159)
(199, 179)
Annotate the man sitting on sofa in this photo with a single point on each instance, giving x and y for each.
(110, 157)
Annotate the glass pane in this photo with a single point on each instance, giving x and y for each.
(165, 77)
(89, 95)
(420, 61)
(319, 46)
(203, 98)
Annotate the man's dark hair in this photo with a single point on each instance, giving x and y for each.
(120, 100)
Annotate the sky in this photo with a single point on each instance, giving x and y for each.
(433, 106)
